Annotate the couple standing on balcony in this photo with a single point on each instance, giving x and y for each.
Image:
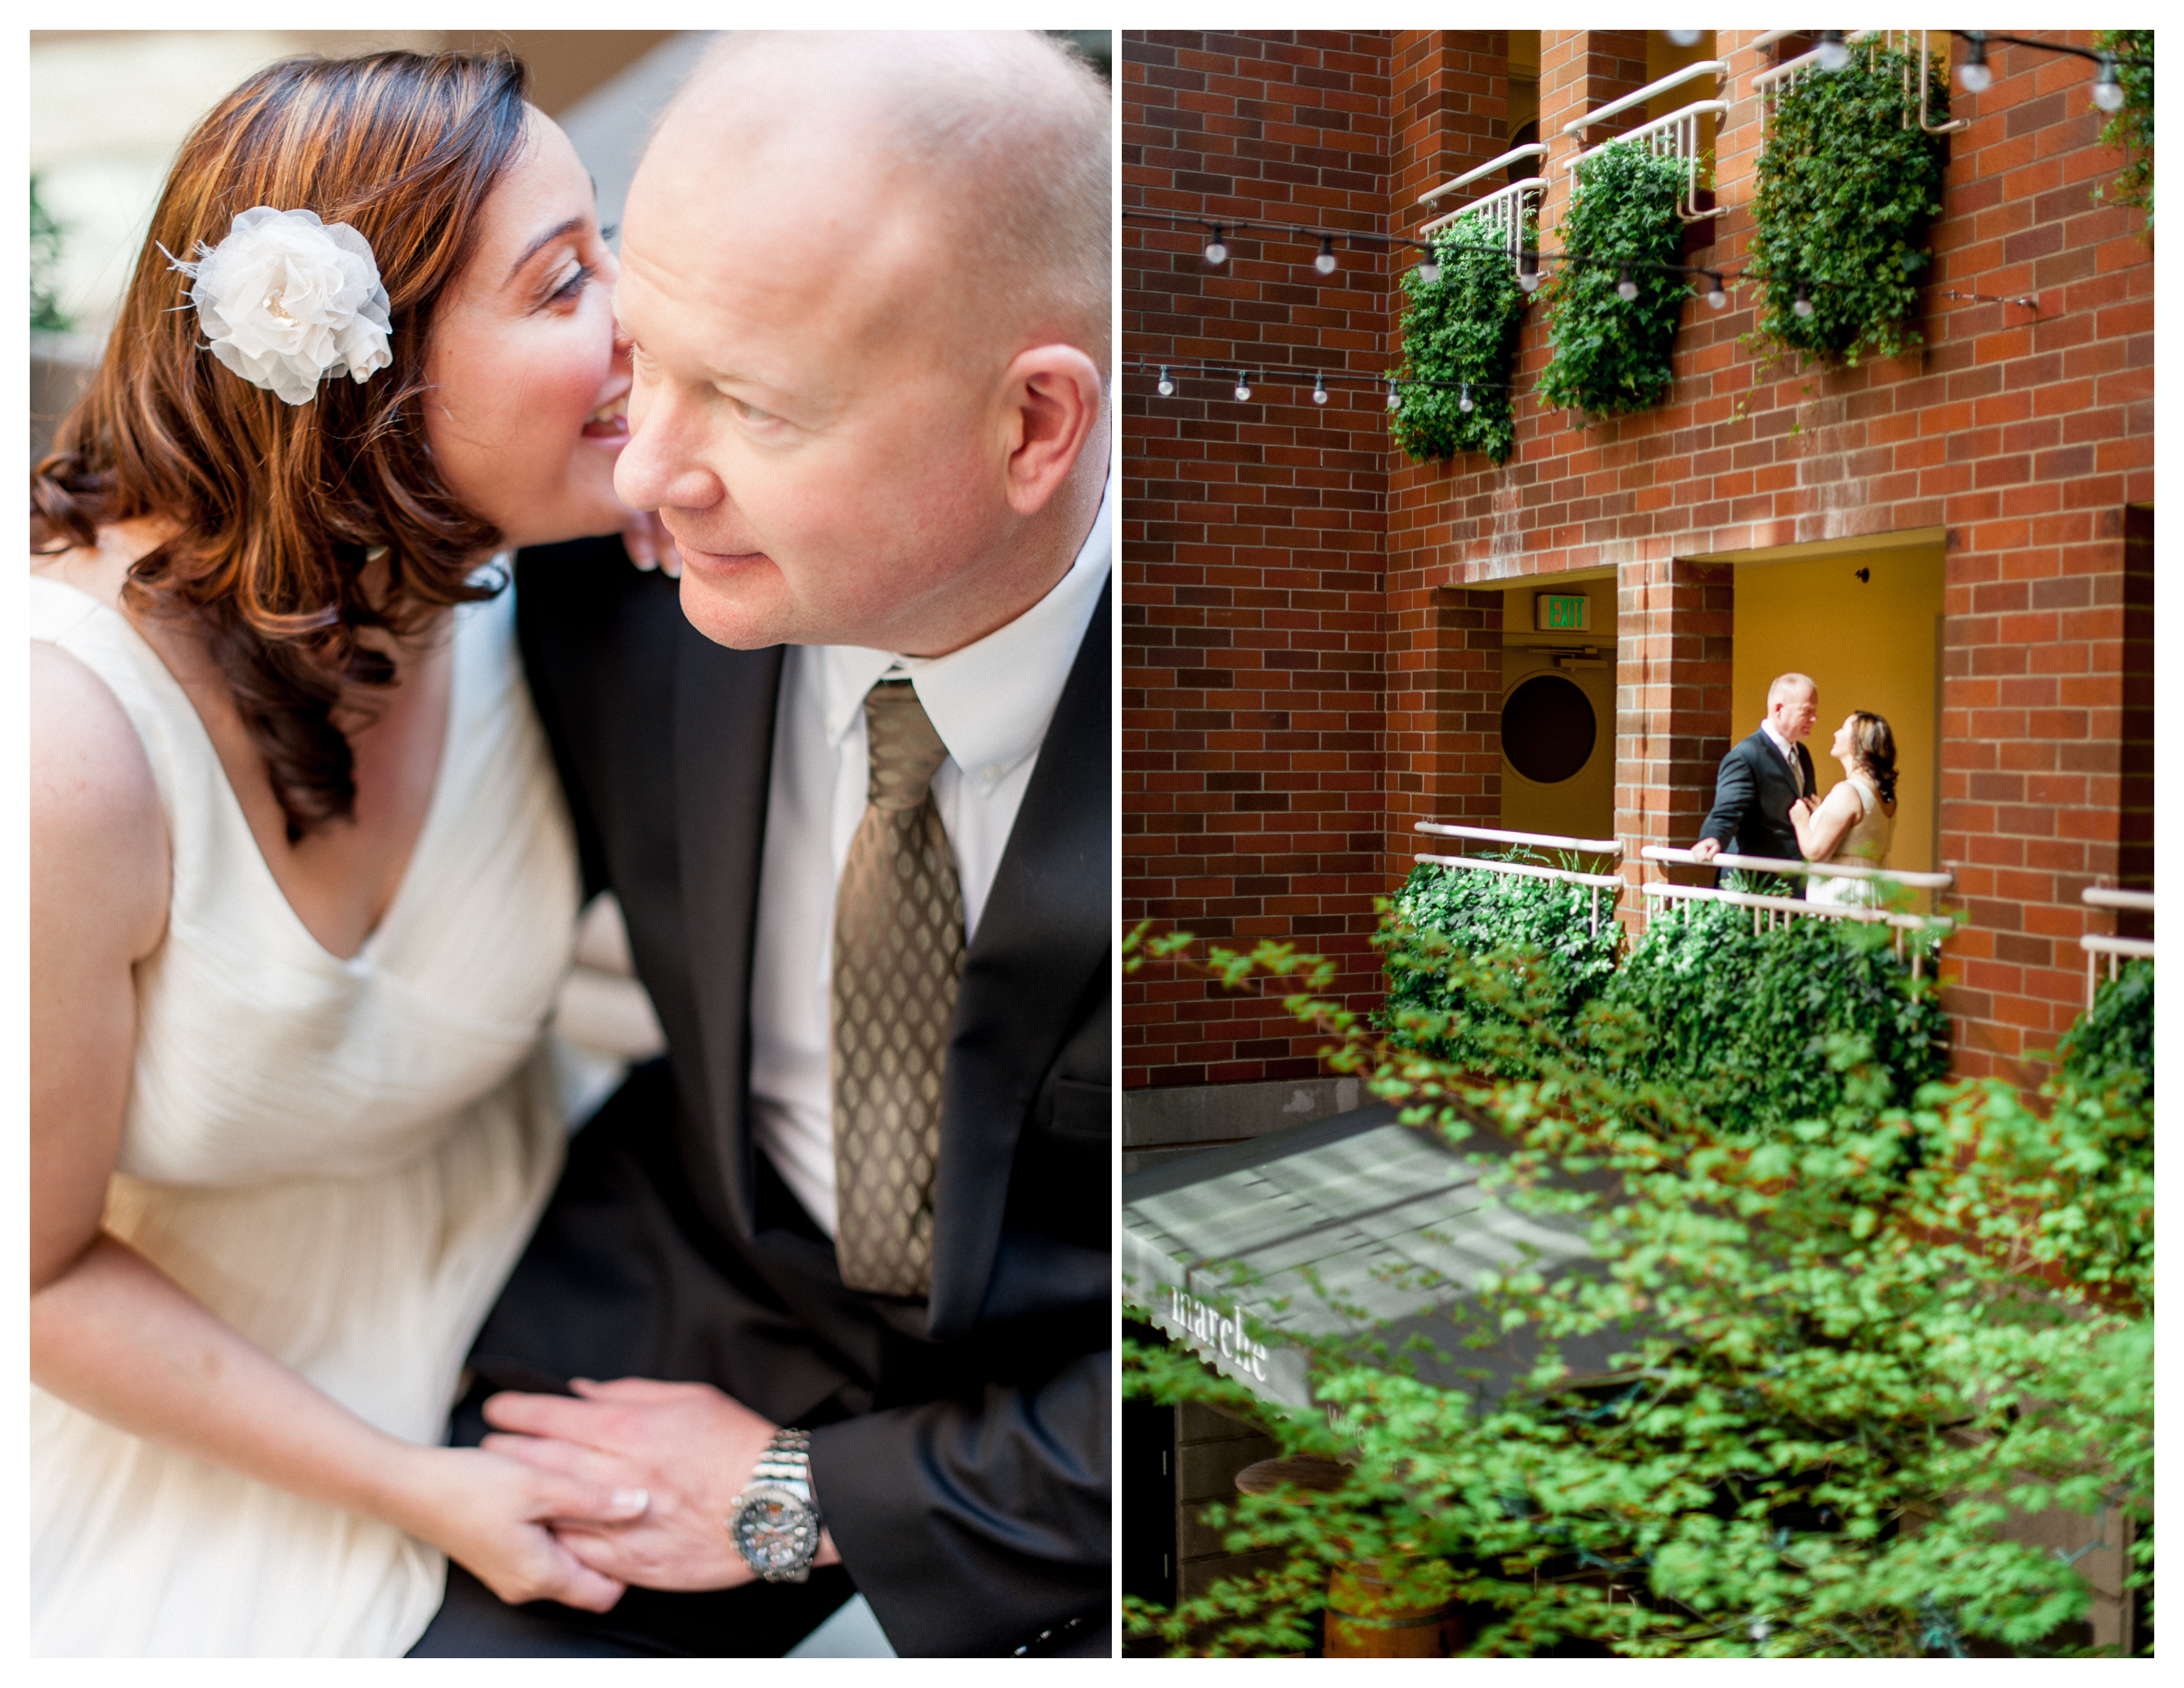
(1766, 805)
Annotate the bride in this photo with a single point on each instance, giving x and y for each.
(1853, 823)
(302, 885)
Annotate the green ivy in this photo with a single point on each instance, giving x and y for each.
(1462, 329)
(1847, 185)
(2131, 129)
(2112, 1042)
(1845, 1357)
(1745, 1025)
(1523, 924)
(1611, 355)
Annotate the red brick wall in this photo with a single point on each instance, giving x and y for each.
(2024, 433)
(1253, 532)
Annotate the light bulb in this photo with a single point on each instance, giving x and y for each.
(2107, 89)
(1429, 268)
(1463, 400)
(1318, 390)
(1973, 73)
(1395, 397)
(1802, 304)
(1325, 262)
(1832, 54)
(1625, 288)
(1684, 37)
(1167, 387)
(1216, 252)
(1243, 386)
(1717, 296)
(1529, 279)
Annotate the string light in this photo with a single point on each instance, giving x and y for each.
(1831, 54)
(1717, 295)
(1167, 387)
(1464, 402)
(1802, 304)
(1216, 252)
(1684, 37)
(1243, 385)
(1528, 271)
(1395, 397)
(2108, 86)
(1429, 268)
(1325, 262)
(1973, 74)
(1319, 389)
(1625, 288)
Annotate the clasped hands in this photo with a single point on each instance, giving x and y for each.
(688, 1447)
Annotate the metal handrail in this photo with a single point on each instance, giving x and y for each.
(1531, 184)
(1763, 79)
(1568, 876)
(1616, 107)
(1767, 864)
(1530, 149)
(1761, 902)
(2102, 944)
(1450, 829)
(2116, 897)
(2097, 944)
(1680, 127)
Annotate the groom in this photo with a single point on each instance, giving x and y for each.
(1763, 777)
(849, 1243)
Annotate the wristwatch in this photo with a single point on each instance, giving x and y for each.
(775, 1523)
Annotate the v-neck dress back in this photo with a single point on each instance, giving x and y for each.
(342, 1158)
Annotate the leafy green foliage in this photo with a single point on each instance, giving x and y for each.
(1462, 329)
(1555, 957)
(1743, 1022)
(1611, 355)
(2131, 129)
(46, 313)
(1740, 1023)
(1847, 185)
(2112, 1042)
(1846, 1356)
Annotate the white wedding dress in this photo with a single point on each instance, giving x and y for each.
(342, 1159)
(1865, 844)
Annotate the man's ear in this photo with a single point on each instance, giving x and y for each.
(1053, 396)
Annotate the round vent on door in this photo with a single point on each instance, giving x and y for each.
(1547, 729)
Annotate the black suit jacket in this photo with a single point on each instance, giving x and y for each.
(1752, 793)
(960, 1448)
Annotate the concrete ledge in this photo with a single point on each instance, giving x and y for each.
(1159, 1125)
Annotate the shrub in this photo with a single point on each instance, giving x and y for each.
(1609, 354)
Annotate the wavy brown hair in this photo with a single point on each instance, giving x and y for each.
(281, 507)
(1875, 745)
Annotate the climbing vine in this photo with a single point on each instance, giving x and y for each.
(1462, 329)
(1612, 354)
(1847, 185)
(2131, 129)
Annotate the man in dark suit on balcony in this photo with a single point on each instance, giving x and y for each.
(1762, 777)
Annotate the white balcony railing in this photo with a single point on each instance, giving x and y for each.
(2097, 944)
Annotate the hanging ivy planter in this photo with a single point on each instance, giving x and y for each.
(1612, 354)
(1462, 329)
(1847, 184)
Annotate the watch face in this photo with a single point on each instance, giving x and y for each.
(775, 1531)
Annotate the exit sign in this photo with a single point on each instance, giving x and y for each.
(1562, 614)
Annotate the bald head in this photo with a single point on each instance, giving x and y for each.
(984, 155)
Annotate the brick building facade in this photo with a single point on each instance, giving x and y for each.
(1314, 628)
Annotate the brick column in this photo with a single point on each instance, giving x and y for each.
(1672, 720)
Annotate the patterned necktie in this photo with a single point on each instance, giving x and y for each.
(898, 954)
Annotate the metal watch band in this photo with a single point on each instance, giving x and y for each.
(786, 1459)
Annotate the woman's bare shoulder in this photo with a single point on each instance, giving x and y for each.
(94, 805)
(100, 570)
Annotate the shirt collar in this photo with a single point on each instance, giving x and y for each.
(1780, 742)
(991, 700)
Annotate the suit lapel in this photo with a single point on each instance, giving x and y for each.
(724, 709)
(1043, 938)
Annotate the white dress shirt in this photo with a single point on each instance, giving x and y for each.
(1789, 753)
(990, 703)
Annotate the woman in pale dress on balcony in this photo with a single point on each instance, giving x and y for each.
(303, 883)
(1854, 822)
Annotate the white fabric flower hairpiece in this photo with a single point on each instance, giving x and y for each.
(287, 300)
